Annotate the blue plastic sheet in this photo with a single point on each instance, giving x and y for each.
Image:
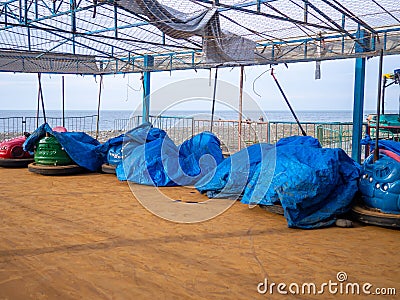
(313, 184)
(152, 158)
(384, 144)
(84, 150)
(113, 148)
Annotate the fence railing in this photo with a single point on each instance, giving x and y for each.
(11, 127)
(84, 123)
(15, 126)
(330, 134)
(228, 132)
(385, 132)
(179, 129)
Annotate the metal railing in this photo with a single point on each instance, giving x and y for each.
(330, 134)
(84, 124)
(15, 126)
(11, 127)
(178, 128)
(228, 132)
(385, 132)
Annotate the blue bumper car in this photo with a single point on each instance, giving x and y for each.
(380, 191)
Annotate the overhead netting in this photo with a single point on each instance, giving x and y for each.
(114, 36)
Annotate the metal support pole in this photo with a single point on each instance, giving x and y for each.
(240, 108)
(98, 107)
(73, 22)
(383, 94)
(41, 96)
(343, 37)
(26, 23)
(358, 107)
(20, 10)
(378, 107)
(361, 46)
(148, 62)
(213, 100)
(115, 20)
(288, 103)
(5, 14)
(63, 100)
(36, 9)
(305, 18)
(37, 108)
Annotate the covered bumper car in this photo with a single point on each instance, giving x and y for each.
(380, 191)
(114, 157)
(51, 159)
(12, 154)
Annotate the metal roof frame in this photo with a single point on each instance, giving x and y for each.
(46, 35)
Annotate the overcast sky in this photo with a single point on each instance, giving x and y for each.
(334, 91)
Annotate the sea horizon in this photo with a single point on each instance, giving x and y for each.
(108, 118)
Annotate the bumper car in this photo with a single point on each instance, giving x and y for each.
(51, 159)
(114, 157)
(380, 191)
(12, 154)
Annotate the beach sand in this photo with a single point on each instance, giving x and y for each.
(87, 237)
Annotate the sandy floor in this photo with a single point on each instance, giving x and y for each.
(87, 237)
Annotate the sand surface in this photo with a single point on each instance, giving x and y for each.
(87, 237)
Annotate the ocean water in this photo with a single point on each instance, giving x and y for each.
(107, 117)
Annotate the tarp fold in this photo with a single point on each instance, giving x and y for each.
(314, 185)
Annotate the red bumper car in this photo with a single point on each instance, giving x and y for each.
(12, 155)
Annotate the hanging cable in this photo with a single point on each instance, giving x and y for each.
(132, 88)
(254, 82)
(128, 86)
(287, 102)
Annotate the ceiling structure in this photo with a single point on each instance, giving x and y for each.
(122, 36)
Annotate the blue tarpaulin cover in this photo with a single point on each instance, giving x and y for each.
(84, 150)
(312, 184)
(114, 156)
(113, 149)
(152, 158)
(384, 144)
